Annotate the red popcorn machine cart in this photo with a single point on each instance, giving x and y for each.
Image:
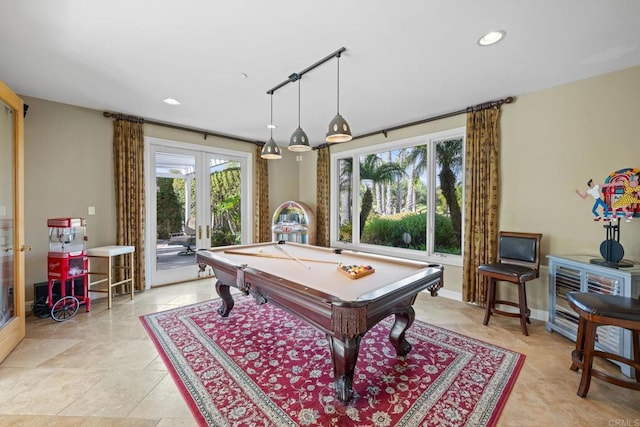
(66, 270)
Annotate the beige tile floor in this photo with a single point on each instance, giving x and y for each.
(101, 369)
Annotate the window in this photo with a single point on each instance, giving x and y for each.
(401, 198)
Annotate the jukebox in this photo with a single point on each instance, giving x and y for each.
(294, 222)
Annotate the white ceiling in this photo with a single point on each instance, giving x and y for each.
(405, 60)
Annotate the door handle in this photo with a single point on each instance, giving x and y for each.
(208, 231)
(199, 232)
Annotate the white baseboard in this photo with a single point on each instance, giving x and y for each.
(457, 296)
(444, 293)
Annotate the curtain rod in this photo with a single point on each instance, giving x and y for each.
(478, 107)
(205, 133)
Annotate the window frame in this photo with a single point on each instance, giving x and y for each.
(354, 154)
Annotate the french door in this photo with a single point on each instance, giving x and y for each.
(199, 197)
(12, 248)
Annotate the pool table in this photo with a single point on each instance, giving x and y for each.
(304, 280)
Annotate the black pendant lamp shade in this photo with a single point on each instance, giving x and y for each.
(270, 150)
(338, 130)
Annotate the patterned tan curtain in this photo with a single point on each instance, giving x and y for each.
(481, 199)
(128, 153)
(322, 197)
(262, 216)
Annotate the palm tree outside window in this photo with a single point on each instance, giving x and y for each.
(408, 196)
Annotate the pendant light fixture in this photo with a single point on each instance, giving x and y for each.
(338, 130)
(270, 150)
(299, 140)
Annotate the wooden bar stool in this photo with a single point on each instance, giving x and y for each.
(108, 253)
(518, 262)
(603, 310)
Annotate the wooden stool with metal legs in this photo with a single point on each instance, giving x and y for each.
(596, 310)
(518, 262)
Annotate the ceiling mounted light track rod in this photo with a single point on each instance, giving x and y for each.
(296, 76)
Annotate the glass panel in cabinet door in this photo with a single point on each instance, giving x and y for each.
(567, 280)
(603, 284)
(7, 295)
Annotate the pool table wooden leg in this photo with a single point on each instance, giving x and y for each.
(344, 353)
(227, 300)
(404, 319)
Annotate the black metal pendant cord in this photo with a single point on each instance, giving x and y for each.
(271, 120)
(338, 87)
(299, 81)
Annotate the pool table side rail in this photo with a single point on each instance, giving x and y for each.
(368, 255)
(426, 278)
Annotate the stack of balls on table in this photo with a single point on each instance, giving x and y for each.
(355, 271)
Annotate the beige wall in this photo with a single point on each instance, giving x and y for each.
(284, 176)
(68, 167)
(553, 141)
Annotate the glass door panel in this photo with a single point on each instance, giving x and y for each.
(7, 295)
(175, 215)
(225, 199)
(12, 310)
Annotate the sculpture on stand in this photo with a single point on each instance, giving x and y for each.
(620, 195)
(611, 250)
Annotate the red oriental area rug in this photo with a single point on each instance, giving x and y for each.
(263, 367)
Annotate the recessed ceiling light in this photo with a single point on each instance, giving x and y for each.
(244, 75)
(271, 126)
(171, 101)
(492, 37)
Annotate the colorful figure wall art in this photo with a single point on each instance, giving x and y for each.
(593, 190)
(620, 195)
(626, 198)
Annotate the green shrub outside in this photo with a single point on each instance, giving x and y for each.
(170, 211)
(224, 238)
(389, 231)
